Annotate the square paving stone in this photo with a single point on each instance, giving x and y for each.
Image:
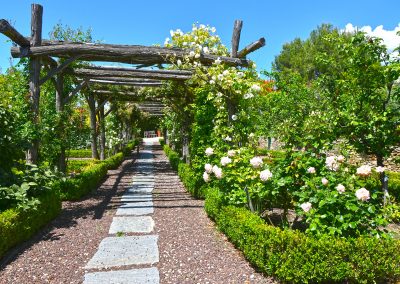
(141, 189)
(137, 197)
(132, 276)
(119, 251)
(135, 208)
(141, 224)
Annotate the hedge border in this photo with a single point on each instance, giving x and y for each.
(17, 225)
(293, 257)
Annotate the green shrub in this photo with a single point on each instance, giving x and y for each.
(173, 157)
(17, 225)
(192, 181)
(79, 153)
(78, 166)
(162, 141)
(91, 176)
(293, 257)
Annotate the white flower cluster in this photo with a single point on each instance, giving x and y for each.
(265, 175)
(256, 162)
(362, 194)
(364, 171)
(209, 151)
(333, 162)
(306, 206)
(225, 161)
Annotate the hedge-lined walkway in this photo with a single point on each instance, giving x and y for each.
(191, 250)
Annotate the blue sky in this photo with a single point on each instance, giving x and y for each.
(149, 22)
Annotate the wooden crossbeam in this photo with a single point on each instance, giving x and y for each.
(133, 54)
(75, 91)
(251, 47)
(58, 69)
(9, 31)
(122, 79)
(135, 70)
(125, 83)
(129, 73)
(108, 92)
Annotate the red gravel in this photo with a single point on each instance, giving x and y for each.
(59, 252)
(191, 248)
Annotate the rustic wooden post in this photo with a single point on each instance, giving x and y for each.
(237, 28)
(60, 110)
(93, 125)
(34, 84)
(102, 132)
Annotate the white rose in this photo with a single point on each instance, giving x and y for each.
(311, 170)
(362, 194)
(306, 206)
(340, 188)
(364, 170)
(256, 162)
(265, 175)
(324, 181)
(209, 151)
(208, 168)
(206, 177)
(225, 161)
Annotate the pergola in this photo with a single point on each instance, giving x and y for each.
(95, 79)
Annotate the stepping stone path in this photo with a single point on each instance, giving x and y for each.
(140, 247)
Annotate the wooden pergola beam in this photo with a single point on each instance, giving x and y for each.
(125, 83)
(133, 54)
(10, 32)
(251, 47)
(128, 73)
(135, 70)
(108, 92)
(121, 79)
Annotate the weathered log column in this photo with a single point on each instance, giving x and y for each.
(34, 84)
(60, 110)
(102, 133)
(93, 126)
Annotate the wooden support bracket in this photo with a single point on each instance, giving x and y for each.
(59, 69)
(75, 91)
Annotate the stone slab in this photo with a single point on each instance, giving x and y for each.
(130, 250)
(141, 224)
(140, 189)
(135, 208)
(132, 276)
(136, 197)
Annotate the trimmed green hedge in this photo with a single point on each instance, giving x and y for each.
(293, 257)
(78, 166)
(17, 226)
(91, 177)
(79, 153)
(173, 157)
(193, 182)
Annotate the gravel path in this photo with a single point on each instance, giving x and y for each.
(191, 248)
